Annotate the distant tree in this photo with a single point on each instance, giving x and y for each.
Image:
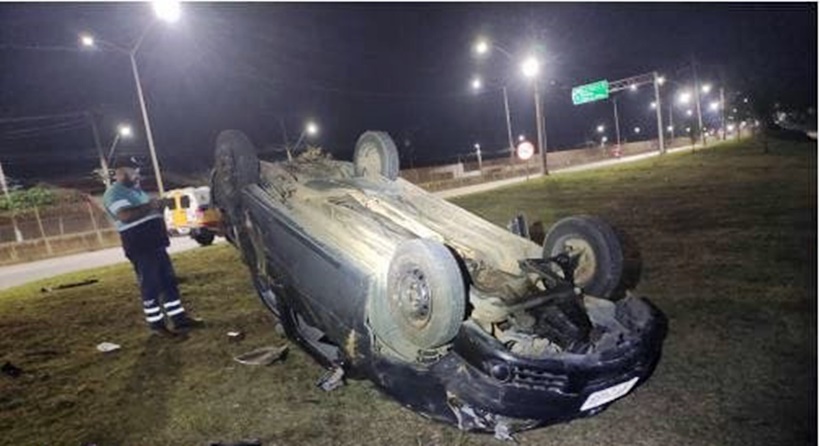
(36, 196)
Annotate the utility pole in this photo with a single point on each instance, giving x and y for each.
(542, 141)
(18, 236)
(661, 145)
(617, 125)
(671, 122)
(697, 102)
(103, 162)
(722, 115)
(478, 155)
(509, 124)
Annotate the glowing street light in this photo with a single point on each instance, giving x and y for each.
(637, 130)
(482, 47)
(87, 40)
(311, 128)
(653, 105)
(522, 138)
(706, 88)
(669, 128)
(167, 10)
(600, 129)
(124, 130)
(661, 80)
(530, 67)
(604, 139)
(685, 97)
(689, 112)
(714, 105)
(476, 84)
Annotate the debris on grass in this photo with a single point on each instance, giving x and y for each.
(331, 380)
(108, 347)
(235, 336)
(63, 286)
(11, 370)
(263, 356)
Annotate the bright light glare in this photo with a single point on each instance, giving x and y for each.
(167, 10)
(604, 139)
(476, 84)
(653, 105)
(688, 112)
(521, 138)
(637, 130)
(669, 129)
(600, 129)
(661, 80)
(311, 128)
(482, 47)
(685, 97)
(730, 128)
(477, 146)
(87, 40)
(714, 106)
(633, 87)
(706, 88)
(688, 129)
(124, 130)
(530, 67)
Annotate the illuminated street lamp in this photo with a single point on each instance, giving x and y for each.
(653, 105)
(482, 47)
(123, 131)
(660, 80)
(684, 97)
(600, 129)
(689, 112)
(87, 40)
(522, 138)
(669, 128)
(706, 88)
(637, 130)
(164, 10)
(633, 87)
(714, 106)
(476, 84)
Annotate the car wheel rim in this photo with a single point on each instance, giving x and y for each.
(414, 298)
(370, 161)
(582, 255)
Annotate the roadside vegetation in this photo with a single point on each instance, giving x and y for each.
(728, 237)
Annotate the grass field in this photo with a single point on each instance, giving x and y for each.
(728, 237)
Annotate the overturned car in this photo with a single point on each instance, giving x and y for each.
(452, 316)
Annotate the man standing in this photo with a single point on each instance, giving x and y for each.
(141, 225)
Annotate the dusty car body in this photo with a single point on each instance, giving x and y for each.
(453, 316)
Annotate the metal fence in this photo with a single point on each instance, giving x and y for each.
(69, 226)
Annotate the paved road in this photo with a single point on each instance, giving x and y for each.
(14, 275)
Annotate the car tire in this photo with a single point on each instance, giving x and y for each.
(596, 248)
(376, 155)
(235, 166)
(424, 301)
(205, 238)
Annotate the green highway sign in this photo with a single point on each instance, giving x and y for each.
(590, 92)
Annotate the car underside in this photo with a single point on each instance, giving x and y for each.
(451, 315)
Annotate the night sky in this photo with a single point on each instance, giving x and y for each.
(402, 68)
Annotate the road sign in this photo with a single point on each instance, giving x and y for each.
(525, 150)
(595, 91)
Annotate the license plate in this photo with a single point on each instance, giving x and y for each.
(609, 394)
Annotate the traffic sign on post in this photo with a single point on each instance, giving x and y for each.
(595, 91)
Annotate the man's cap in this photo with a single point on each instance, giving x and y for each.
(126, 161)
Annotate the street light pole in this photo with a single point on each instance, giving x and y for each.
(656, 82)
(542, 142)
(617, 125)
(103, 162)
(697, 103)
(671, 122)
(722, 115)
(148, 134)
(509, 124)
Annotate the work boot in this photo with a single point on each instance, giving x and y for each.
(186, 323)
(162, 331)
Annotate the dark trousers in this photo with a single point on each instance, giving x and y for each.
(158, 286)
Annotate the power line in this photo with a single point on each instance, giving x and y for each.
(40, 117)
